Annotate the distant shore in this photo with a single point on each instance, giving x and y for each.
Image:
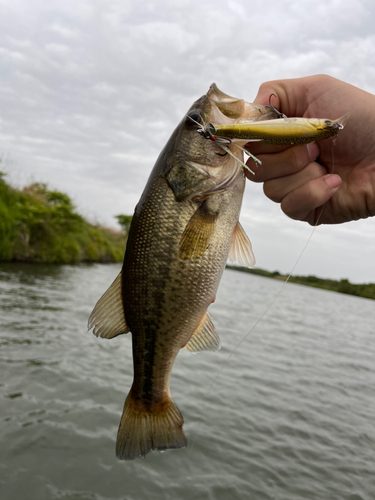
(39, 225)
(366, 290)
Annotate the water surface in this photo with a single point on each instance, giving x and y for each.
(289, 416)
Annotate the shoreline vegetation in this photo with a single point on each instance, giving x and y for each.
(39, 225)
(365, 290)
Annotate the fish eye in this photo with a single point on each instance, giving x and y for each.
(328, 123)
(194, 118)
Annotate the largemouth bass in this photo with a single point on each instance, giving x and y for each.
(184, 228)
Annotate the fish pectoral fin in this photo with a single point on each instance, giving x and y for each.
(107, 317)
(241, 250)
(204, 338)
(198, 233)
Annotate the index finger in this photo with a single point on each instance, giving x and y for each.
(283, 163)
(291, 94)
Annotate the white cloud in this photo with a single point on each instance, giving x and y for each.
(91, 91)
(64, 31)
(57, 49)
(11, 55)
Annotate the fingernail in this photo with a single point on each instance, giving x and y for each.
(333, 180)
(313, 150)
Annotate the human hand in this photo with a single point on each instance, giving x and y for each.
(291, 176)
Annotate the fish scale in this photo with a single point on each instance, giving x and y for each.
(165, 297)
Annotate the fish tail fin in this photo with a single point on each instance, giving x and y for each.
(142, 429)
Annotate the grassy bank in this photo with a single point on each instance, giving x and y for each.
(40, 225)
(366, 290)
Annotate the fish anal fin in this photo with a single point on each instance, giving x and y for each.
(198, 233)
(241, 250)
(155, 427)
(107, 318)
(205, 337)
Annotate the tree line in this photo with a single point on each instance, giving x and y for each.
(42, 225)
(366, 290)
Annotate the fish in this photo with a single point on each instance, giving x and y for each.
(184, 229)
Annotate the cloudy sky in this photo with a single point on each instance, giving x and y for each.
(90, 91)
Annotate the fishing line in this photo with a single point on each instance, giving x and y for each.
(228, 358)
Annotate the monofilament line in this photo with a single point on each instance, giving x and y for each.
(225, 362)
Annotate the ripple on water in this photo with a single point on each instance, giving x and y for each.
(289, 416)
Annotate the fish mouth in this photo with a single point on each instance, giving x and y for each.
(230, 107)
(228, 110)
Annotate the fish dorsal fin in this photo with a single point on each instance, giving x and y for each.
(107, 317)
(204, 338)
(198, 233)
(241, 250)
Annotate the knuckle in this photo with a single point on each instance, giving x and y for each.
(298, 158)
(317, 170)
(272, 191)
(265, 86)
(290, 208)
(295, 158)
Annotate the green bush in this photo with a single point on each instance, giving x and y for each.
(40, 225)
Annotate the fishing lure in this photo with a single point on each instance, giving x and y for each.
(282, 131)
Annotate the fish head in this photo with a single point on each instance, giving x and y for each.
(196, 166)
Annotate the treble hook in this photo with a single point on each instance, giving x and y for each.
(279, 114)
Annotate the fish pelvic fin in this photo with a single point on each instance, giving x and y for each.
(152, 427)
(241, 250)
(107, 318)
(205, 337)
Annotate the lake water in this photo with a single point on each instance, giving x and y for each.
(290, 416)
